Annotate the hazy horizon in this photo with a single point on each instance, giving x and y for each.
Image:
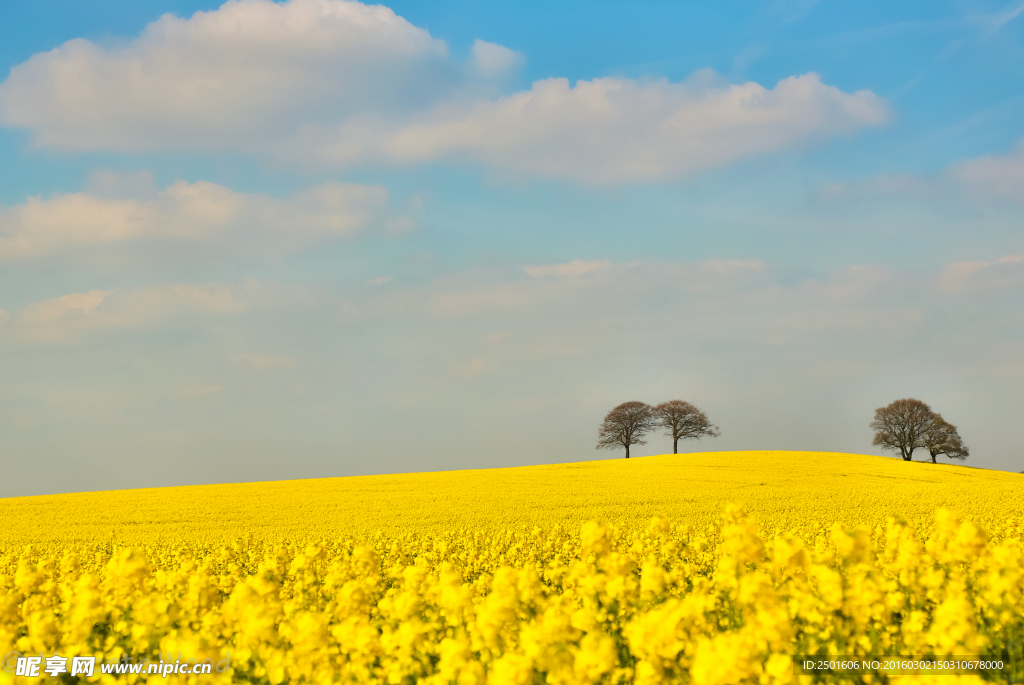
(402, 474)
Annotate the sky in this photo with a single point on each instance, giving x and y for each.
(261, 241)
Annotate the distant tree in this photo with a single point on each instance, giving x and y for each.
(682, 420)
(626, 425)
(942, 438)
(902, 426)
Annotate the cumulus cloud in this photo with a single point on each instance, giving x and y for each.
(342, 83)
(153, 307)
(612, 130)
(226, 78)
(198, 212)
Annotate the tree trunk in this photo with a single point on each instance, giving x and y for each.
(627, 451)
(933, 458)
(675, 445)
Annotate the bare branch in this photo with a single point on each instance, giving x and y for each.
(684, 421)
(942, 438)
(626, 425)
(902, 426)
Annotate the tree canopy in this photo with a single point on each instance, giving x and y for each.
(908, 424)
(942, 438)
(901, 426)
(626, 425)
(684, 421)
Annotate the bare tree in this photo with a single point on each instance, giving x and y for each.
(626, 425)
(683, 420)
(902, 426)
(942, 438)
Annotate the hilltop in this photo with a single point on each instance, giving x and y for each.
(782, 489)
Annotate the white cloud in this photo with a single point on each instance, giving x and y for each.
(342, 83)
(611, 130)
(226, 78)
(490, 59)
(198, 212)
(76, 306)
(574, 268)
(990, 178)
(153, 307)
(978, 276)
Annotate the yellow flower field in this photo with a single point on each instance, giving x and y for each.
(703, 568)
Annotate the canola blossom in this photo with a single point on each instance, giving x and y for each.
(705, 569)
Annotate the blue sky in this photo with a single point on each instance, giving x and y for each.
(314, 238)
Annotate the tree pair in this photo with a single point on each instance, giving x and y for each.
(629, 422)
(909, 424)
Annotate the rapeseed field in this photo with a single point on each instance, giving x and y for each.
(711, 568)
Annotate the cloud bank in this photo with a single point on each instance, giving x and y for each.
(340, 83)
(613, 130)
(69, 317)
(200, 213)
(224, 78)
